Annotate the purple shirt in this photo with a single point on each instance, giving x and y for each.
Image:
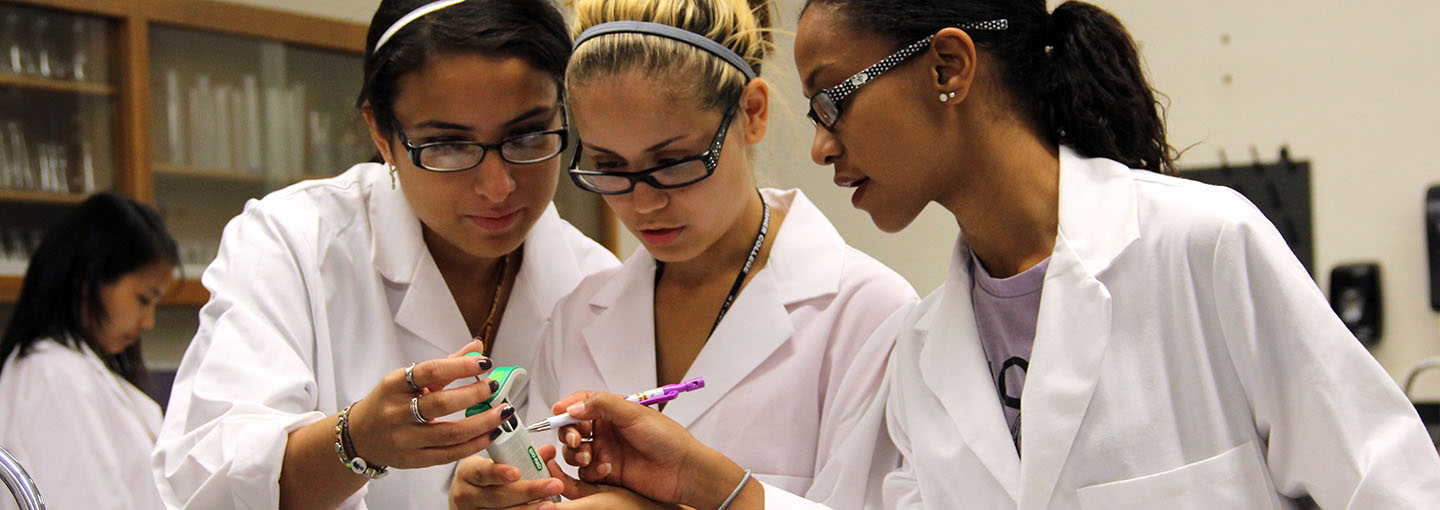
(1006, 310)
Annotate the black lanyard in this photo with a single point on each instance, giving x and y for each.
(744, 270)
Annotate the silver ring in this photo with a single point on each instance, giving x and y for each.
(410, 378)
(415, 411)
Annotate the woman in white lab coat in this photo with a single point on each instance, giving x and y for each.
(72, 409)
(755, 292)
(1177, 354)
(325, 293)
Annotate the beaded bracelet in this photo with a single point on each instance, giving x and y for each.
(353, 462)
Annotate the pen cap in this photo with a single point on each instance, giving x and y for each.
(510, 379)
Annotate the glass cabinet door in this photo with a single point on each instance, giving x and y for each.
(233, 118)
(57, 116)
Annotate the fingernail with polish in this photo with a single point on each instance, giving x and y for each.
(577, 408)
(604, 469)
(506, 413)
(495, 434)
(583, 458)
(485, 364)
(494, 386)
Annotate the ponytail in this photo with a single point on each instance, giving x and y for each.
(1095, 94)
(1075, 73)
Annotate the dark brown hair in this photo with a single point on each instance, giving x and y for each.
(532, 30)
(107, 237)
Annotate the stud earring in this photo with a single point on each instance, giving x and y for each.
(945, 97)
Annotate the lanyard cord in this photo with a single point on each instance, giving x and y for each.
(749, 261)
(744, 270)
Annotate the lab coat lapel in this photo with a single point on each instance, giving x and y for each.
(952, 364)
(1098, 221)
(621, 338)
(808, 257)
(429, 311)
(1070, 339)
(756, 325)
(398, 252)
(548, 269)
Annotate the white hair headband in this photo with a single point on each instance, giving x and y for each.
(414, 15)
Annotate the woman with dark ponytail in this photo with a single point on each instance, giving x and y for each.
(1164, 344)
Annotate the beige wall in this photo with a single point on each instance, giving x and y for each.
(1348, 85)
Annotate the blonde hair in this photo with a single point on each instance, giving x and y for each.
(741, 25)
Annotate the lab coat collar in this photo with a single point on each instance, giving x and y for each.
(120, 390)
(1099, 214)
(548, 271)
(805, 263)
(428, 309)
(396, 244)
(1098, 221)
(814, 255)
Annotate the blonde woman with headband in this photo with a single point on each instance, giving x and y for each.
(753, 290)
(339, 307)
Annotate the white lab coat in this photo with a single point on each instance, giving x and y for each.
(82, 432)
(318, 291)
(791, 372)
(1183, 360)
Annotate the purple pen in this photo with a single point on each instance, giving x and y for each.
(645, 398)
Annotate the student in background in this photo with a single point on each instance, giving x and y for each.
(347, 297)
(72, 406)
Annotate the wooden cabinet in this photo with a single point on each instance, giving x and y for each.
(193, 106)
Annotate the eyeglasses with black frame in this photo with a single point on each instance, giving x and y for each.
(591, 176)
(825, 104)
(458, 156)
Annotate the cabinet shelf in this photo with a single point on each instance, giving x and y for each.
(41, 197)
(53, 85)
(187, 292)
(10, 288)
(209, 174)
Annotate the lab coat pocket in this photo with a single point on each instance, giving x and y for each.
(1232, 480)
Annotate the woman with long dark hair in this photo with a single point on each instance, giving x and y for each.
(340, 307)
(1109, 336)
(72, 406)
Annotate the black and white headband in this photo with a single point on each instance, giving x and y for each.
(668, 32)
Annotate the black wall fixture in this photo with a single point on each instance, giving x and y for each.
(1355, 296)
(1280, 189)
(1432, 237)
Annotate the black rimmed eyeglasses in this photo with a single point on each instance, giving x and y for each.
(592, 175)
(825, 104)
(458, 156)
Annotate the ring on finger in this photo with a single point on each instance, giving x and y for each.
(410, 378)
(415, 411)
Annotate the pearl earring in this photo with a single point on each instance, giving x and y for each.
(945, 97)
